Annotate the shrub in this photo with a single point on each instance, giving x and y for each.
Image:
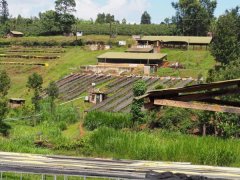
(96, 119)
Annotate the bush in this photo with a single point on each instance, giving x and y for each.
(96, 119)
(173, 119)
(66, 114)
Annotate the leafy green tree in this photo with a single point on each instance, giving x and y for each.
(4, 13)
(194, 17)
(35, 82)
(139, 89)
(101, 18)
(109, 18)
(53, 93)
(226, 44)
(5, 83)
(4, 87)
(49, 22)
(124, 21)
(176, 119)
(65, 6)
(64, 9)
(146, 18)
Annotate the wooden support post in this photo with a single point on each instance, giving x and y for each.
(197, 105)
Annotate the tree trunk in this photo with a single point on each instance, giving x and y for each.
(204, 130)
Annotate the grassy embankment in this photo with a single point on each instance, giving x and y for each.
(194, 62)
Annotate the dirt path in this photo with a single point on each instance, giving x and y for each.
(81, 130)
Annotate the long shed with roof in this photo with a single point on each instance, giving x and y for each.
(132, 58)
(176, 41)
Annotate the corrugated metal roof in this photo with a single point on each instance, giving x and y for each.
(191, 89)
(139, 49)
(16, 32)
(122, 55)
(186, 39)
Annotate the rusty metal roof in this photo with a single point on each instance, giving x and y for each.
(186, 39)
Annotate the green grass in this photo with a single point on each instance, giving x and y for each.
(96, 119)
(195, 63)
(165, 146)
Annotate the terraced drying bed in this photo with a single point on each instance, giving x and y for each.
(120, 93)
(118, 89)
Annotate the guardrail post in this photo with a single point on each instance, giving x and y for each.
(65, 177)
(43, 177)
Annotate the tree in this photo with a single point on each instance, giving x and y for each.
(146, 18)
(226, 46)
(124, 21)
(4, 87)
(101, 17)
(49, 22)
(109, 18)
(53, 93)
(4, 13)
(167, 21)
(139, 89)
(65, 6)
(5, 83)
(64, 9)
(194, 16)
(35, 82)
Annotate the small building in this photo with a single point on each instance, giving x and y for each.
(16, 102)
(79, 34)
(96, 97)
(122, 43)
(139, 50)
(15, 34)
(184, 42)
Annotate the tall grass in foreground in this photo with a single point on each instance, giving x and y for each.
(96, 119)
(165, 147)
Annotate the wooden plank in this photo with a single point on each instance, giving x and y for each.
(195, 88)
(197, 105)
(205, 95)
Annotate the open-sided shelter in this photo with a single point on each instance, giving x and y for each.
(176, 41)
(132, 58)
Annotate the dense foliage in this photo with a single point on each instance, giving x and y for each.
(194, 17)
(4, 87)
(139, 89)
(146, 18)
(226, 44)
(35, 82)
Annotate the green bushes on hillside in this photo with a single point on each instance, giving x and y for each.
(128, 29)
(96, 119)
